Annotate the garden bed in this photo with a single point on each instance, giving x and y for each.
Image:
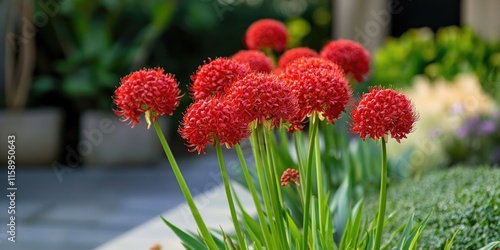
(466, 199)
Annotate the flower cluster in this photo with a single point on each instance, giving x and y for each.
(213, 77)
(267, 33)
(230, 93)
(293, 54)
(263, 97)
(320, 86)
(351, 56)
(211, 119)
(290, 175)
(383, 111)
(146, 90)
(257, 60)
(247, 96)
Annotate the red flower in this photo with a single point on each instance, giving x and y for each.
(290, 175)
(319, 85)
(257, 60)
(146, 90)
(267, 33)
(295, 53)
(209, 119)
(213, 77)
(382, 111)
(350, 55)
(263, 97)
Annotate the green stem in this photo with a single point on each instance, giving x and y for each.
(274, 185)
(262, 181)
(319, 171)
(229, 195)
(328, 133)
(269, 178)
(308, 180)
(383, 197)
(207, 237)
(262, 221)
(297, 141)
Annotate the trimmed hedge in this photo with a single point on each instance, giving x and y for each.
(463, 199)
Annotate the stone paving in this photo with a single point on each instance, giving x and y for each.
(95, 205)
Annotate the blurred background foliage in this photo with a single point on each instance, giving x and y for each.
(448, 52)
(88, 45)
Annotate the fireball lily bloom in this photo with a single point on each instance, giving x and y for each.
(290, 175)
(216, 75)
(210, 120)
(381, 112)
(320, 86)
(293, 54)
(257, 60)
(267, 33)
(350, 55)
(147, 91)
(263, 97)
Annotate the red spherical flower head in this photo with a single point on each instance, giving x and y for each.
(216, 75)
(383, 111)
(267, 33)
(257, 60)
(290, 175)
(350, 55)
(263, 97)
(320, 86)
(146, 90)
(295, 53)
(213, 118)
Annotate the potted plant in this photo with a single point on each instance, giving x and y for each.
(36, 129)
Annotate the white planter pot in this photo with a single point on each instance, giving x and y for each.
(106, 141)
(37, 135)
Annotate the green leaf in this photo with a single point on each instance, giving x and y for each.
(351, 234)
(292, 226)
(43, 84)
(406, 233)
(162, 12)
(449, 242)
(188, 241)
(79, 85)
(96, 40)
(491, 246)
(340, 207)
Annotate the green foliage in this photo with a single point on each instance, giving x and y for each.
(450, 51)
(465, 201)
(90, 49)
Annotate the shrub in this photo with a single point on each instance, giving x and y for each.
(463, 199)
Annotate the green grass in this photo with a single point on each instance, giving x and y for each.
(463, 199)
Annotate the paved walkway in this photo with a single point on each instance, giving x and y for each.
(93, 206)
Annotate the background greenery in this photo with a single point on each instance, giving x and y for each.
(446, 53)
